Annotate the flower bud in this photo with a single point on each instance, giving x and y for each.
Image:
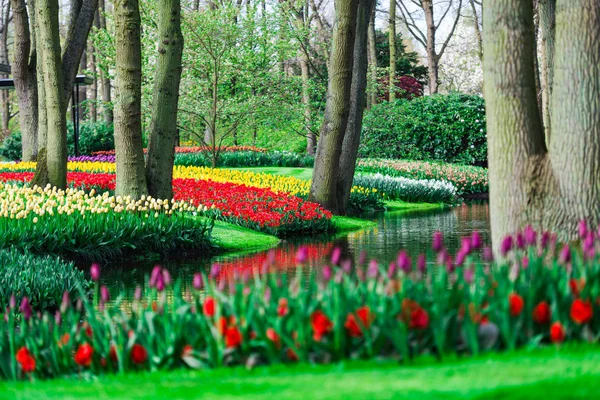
(95, 272)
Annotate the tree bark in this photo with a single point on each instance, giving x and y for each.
(550, 189)
(104, 78)
(547, 18)
(373, 59)
(392, 40)
(131, 178)
(357, 106)
(163, 127)
(4, 59)
(42, 127)
(323, 188)
(432, 57)
(477, 30)
(93, 109)
(47, 18)
(23, 71)
(82, 105)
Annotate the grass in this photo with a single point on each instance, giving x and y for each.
(347, 224)
(572, 373)
(233, 238)
(300, 173)
(398, 205)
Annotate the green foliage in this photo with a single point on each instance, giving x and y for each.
(448, 128)
(466, 179)
(246, 159)
(92, 137)
(407, 62)
(409, 190)
(11, 147)
(42, 279)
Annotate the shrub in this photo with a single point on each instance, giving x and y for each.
(93, 137)
(11, 147)
(43, 280)
(466, 179)
(449, 128)
(409, 190)
(461, 305)
(246, 159)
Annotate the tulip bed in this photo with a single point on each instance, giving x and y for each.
(538, 294)
(90, 226)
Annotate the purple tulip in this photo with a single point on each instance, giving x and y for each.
(58, 317)
(12, 302)
(362, 258)
(588, 242)
(327, 273)
(26, 308)
(302, 255)
(520, 241)
(339, 276)
(137, 295)
(335, 256)
(442, 257)
(197, 281)
(565, 255)
(530, 236)
(391, 270)
(156, 272)
(590, 254)
(404, 262)
(438, 241)
(450, 265)
(79, 305)
(166, 277)
(460, 257)
(160, 283)
(104, 294)
(65, 302)
(373, 269)
(488, 254)
(476, 241)
(583, 229)
(506, 245)
(347, 266)
(545, 239)
(95, 272)
(421, 263)
(215, 269)
(267, 295)
(468, 275)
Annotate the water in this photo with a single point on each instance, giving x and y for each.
(394, 231)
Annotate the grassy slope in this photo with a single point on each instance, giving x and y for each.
(347, 224)
(399, 205)
(300, 173)
(231, 237)
(568, 374)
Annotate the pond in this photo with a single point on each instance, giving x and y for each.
(394, 231)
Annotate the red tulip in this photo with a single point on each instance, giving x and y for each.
(515, 304)
(419, 319)
(26, 360)
(282, 307)
(139, 354)
(233, 337)
(581, 311)
(321, 325)
(541, 313)
(557, 333)
(83, 355)
(274, 337)
(209, 306)
(352, 326)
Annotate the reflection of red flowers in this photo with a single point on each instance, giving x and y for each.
(83, 355)
(26, 360)
(139, 354)
(209, 306)
(274, 337)
(576, 286)
(557, 333)
(515, 304)
(541, 313)
(321, 325)
(353, 327)
(581, 311)
(282, 307)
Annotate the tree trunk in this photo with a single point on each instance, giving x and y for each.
(196, 5)
(392, 39)
(324, 180)
(104, 78)
(82, 105)
(357, 106)
(552, 190)
(93, 110)
(42, 127)
(131, 179)
(373, 58)
(4, 59)
(23, 71)
(47, 21)
(547, 18)
(477, 30)
(432, 57)
(305, 73)
(163, 127)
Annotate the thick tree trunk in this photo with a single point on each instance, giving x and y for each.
(547, 18)
(131, 178)
(357, 106)
(551, 190)
(47, 21)
(432, 57)
(392, 40)
(42, 127)
(104, 78)
(163, 127)
(23, 71)
(324, 180)
(373, 59)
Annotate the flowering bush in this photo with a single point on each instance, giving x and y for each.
(51, 221)
(466, 179)
(537, 294)
(410, 190)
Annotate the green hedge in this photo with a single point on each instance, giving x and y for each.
(42, 279)
(449, 128)
(246, 159)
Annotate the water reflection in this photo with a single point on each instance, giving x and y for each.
(394, 231)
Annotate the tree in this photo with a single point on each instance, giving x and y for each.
(129, 153)
(163, 128)
(372, 61)
(547, 18)
(549, 182)
(5, 105)
(392, 40)
(429, 39)
(104, 74)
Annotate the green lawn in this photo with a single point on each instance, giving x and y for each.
(398, 205)
(547, 374)
(230, 237)
(300, 173)
(347, 224)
